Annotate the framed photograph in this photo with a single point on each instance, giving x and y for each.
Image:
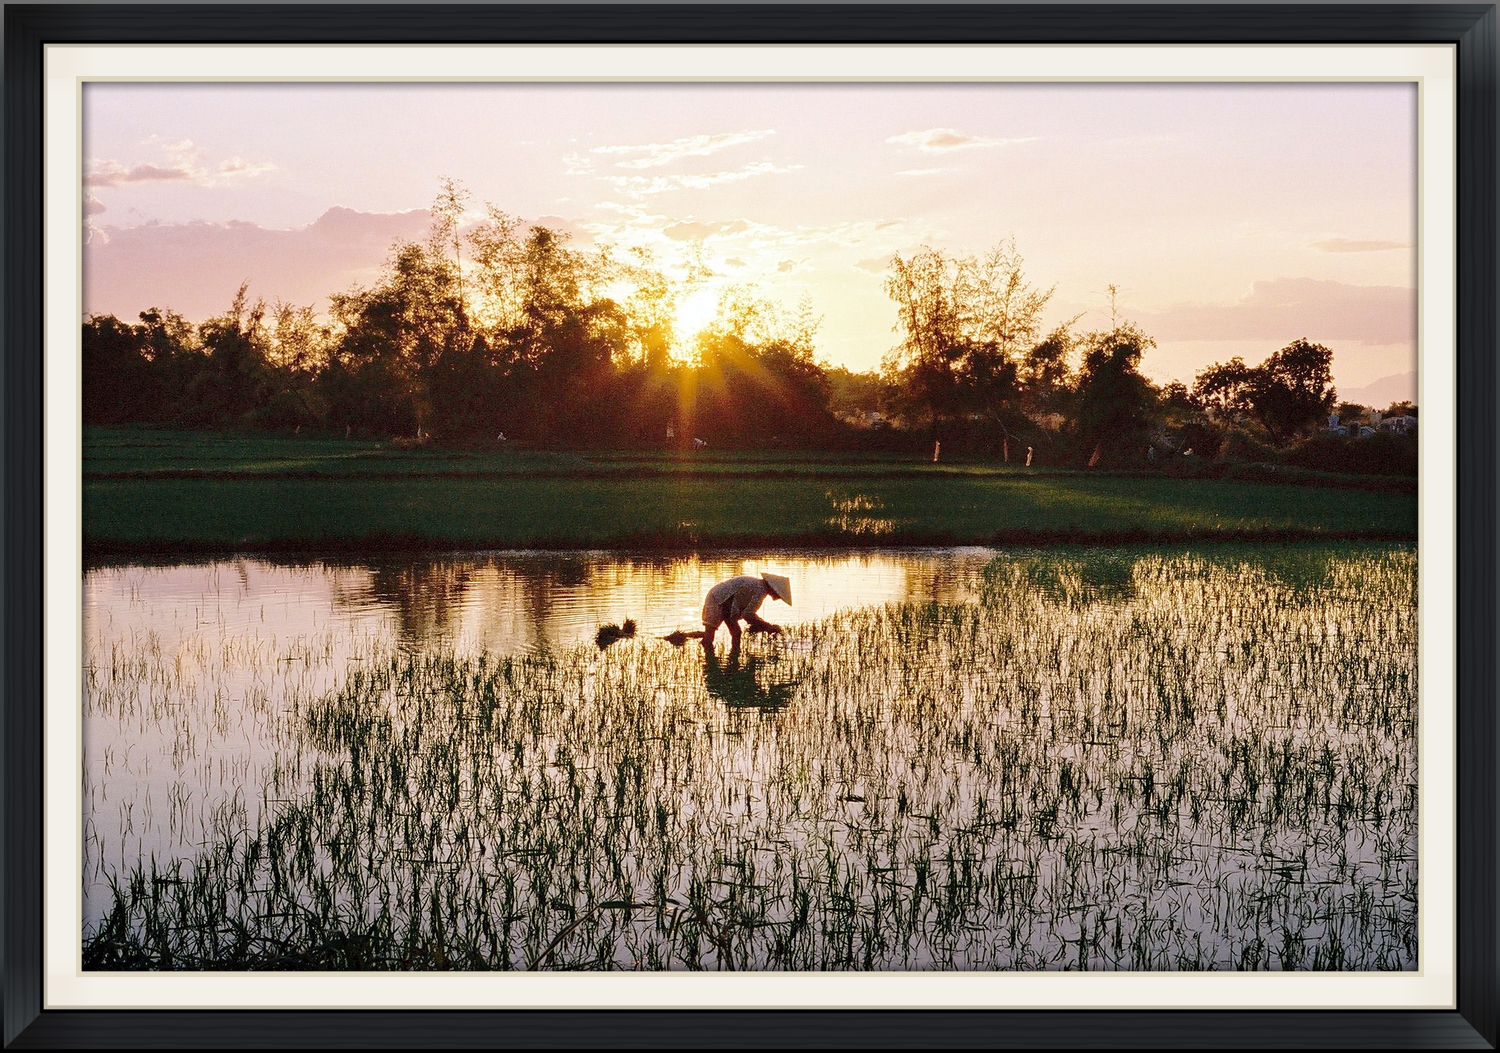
(607, 524)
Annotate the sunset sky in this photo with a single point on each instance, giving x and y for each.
(1234, 218)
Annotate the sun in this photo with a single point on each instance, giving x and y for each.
(695, 313)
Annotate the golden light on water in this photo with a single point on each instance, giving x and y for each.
(500, 603)
(1213, 748)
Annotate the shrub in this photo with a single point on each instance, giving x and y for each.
(1378, 454)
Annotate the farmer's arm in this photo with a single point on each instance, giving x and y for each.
(760, 625)
(754, 620)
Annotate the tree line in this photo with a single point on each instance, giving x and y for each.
(506, 329)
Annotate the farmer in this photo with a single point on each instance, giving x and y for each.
(729, 601)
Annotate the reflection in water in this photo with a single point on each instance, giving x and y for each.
(510, 602)
(425, 597)
(743, 685)
(1037, 759)
(246, 641)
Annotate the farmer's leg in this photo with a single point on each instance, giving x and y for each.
(712, 622)
(734, 635)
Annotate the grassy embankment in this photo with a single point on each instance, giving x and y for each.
(158, 492)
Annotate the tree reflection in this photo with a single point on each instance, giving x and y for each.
(1079, 580)
(426, 597)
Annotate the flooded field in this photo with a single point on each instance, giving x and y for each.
(1107, 759)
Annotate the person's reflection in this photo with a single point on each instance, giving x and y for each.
(736, 685)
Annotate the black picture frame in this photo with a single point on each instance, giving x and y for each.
(1471, 27)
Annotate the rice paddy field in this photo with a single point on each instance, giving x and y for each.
(1176, 758)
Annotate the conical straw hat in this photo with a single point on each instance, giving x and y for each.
(781, 587)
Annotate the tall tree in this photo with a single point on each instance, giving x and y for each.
(757, 380)
(1114, 404)
(447, 213)
(1293, 389)
(1224, 388)
(390, 338)
(1046, 371)
(1007, 309)
(931, 293)
(496, 253)
(1289, 392)
(967, 325)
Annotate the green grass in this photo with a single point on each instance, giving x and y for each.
(150, 491)
(153, 453)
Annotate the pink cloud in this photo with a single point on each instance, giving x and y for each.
(112, 173)
(1287, 308)
(195, 268)
(103, 172)
(943, 140)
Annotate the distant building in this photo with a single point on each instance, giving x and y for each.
(1333, 423)
(1402, 425)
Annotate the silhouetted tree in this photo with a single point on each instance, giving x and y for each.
(1286, 394)
(1293, 389)
(1045, 374)
(135, 372)
(1114, 404)
(969, 326)
(1224, 389)
(756, 379)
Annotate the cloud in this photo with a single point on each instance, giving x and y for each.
(1352, 245)
(759, 168)
(238, 167)
(660, 154)
(640, 186)
(581, 234)
(875, 264)
(112, 173)
(944, 140)
(195, 268)
(1287, 308)
(1382, 392)
(692, 230)
(689, 231)
(788, 266)
(182, 166)
(92, 206)
(922, 171)
(735, 261)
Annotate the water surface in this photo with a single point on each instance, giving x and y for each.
(970, 758)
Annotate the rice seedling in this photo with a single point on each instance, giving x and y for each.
(610, 633)
(1079, 759)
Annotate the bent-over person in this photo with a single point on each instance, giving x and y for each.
(738, 599)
